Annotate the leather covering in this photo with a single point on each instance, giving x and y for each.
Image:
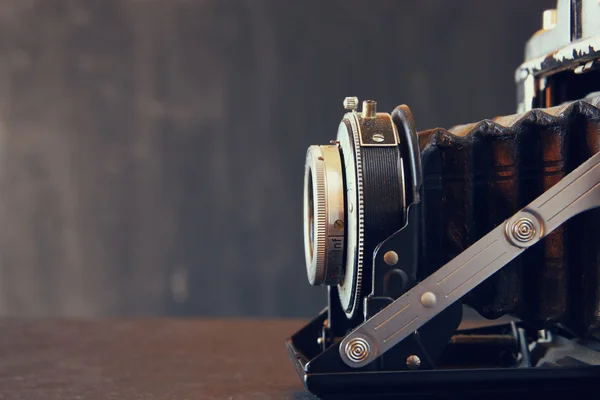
(478, 175)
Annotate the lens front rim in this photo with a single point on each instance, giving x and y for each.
(324, 219)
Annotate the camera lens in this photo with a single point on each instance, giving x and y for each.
(324, 215)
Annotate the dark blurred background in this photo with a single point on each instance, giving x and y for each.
(152, 151)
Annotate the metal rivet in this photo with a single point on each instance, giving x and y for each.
(413, 362)
(357, 350)
(350, 103)
(428, 300)
(523, 230)
(390, 258)
(523, 74)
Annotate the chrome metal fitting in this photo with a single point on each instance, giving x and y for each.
(523, 230)
(350, 103)
(357, 350)
(324, 219)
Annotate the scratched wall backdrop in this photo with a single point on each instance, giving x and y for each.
(151, 151)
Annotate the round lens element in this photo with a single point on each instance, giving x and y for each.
(324, 222)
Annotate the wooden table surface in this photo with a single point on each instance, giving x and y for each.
(154, 359)
(151, 359)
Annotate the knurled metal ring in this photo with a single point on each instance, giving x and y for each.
(349, 289)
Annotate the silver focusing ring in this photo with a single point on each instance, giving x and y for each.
(324, 221)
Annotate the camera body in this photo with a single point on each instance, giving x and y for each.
(406, 228)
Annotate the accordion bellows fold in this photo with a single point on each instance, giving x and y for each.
(478, 175)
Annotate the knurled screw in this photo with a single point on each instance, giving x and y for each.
(350, 103)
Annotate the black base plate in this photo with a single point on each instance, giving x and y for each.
(484, 365)
(464, 383)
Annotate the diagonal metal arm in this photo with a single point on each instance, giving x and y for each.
(577, 192)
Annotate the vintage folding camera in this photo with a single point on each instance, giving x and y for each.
(409, 229)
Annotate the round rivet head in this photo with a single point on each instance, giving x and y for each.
(428, 300)
(524, 229)
(390, 258)
(413, 362)
(357, 350)
(523, 74)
